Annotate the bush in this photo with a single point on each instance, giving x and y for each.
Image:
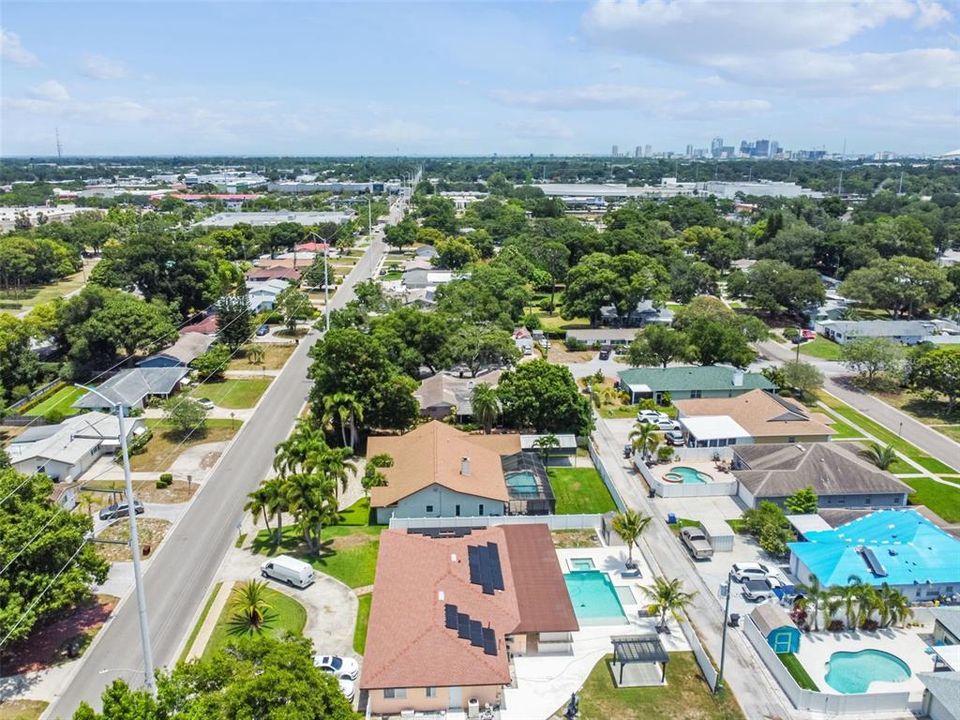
(54, 417)
(791, 332)
(136, 446)
(664, 454)
(836, 626)
(573, 345)
(164, 481)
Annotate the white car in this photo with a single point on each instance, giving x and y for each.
(751, 571)
(205, 403)
(348, 687)
(651, 416)
(340, 666)
(667, 424)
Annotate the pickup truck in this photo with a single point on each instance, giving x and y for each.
(696, 543)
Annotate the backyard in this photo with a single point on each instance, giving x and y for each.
(165, 445)
(286, 615)
(685, 696)
(233, 394)
(580, 490)
(61, 401)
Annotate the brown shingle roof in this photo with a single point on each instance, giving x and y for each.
(433, 454)
(779, 470)
(760, 413)
(537, 577)
(276, 272)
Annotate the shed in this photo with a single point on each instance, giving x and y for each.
(776, 627)
(719, 533)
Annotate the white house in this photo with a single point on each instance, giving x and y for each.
(263, 295)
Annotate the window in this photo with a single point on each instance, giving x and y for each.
(431, 692)
(429, 508)
(481, 509)
(696, 394)
(867, 501)
(395, 693)
(791, 439)
(457, 511)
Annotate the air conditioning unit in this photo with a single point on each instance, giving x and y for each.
(473, 708)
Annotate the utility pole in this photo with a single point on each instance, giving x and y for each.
(59, 149)
(148, 677)
(900, 188)
(723, 641)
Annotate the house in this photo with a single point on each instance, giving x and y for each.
(754, 417)
(451, 609)
(946, 625)
(690, 382)
(188, 347)
(603, 335)
(646, 312)
(205, 326)
(423, 298)
(443, 394)
(835, 472)
(65, 451)
(776, 627)
(263, 295)
(428, 277)
(439, 471)
(898, 547)
(523, 340)
(131, 388)
(426, 252)
(273, 272)
(907, 332)
(941, 696)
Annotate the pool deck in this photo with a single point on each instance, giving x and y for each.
(906, 644)
(707, 467)
(544, 683)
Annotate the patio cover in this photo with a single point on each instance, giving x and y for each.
(713, 427)
(808, 523)
(639, 649)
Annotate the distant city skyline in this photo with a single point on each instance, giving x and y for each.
(381, 78)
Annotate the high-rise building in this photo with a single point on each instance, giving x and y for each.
(638, 151)
(774, 148)
(689, 152)
(647, 151)
(716, 147)
(761, 148)
(616, 151)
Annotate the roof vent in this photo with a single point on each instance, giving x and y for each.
(738, 378)
(440, 595)
(465, 466)
(453, 557)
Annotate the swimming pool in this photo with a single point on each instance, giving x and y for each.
(581, 564)
(594, 597)
(523, 481)
(686, 475)
(852, 672)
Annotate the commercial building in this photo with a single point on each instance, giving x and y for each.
(908, 332)
(450, 610)
(690, 382)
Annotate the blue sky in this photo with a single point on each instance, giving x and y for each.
(476, 77)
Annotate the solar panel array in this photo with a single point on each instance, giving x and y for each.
(447, 532)
(873, 562)
(470, 629)
(485, 568)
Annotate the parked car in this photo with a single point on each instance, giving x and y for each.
(205, 403)
(757, 590)
(605, 354)
(696, 543)
(263, 330)
(751, 571)
(808, 334)
(665, 423)
(339, 666)
(120, 509)
(289, 570)
(674, 437)
(348, 687)
(651, 416)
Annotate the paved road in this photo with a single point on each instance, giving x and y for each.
(744, 673)
(179, 576)
(934, 443)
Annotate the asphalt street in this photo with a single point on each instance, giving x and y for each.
(179, 576)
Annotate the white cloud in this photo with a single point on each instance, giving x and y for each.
(101, 67)
(931, 14)
(12, 50)
(50, 91)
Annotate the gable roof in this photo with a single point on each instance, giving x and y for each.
(70, 440)
(685, 378)
(129, 387)
(949, 617)
(188, 347)
(945, 687)
(432, 454)
(760, 413)
(779, 470)
(277, 272)
(443, 389)
(881, 328)
(408, 643)
(770, 616)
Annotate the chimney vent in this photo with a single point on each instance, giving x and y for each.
(465, 466)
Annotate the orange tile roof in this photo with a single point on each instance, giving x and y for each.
(433, 454)
(760, 413)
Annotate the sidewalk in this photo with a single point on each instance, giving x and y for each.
(210, 621)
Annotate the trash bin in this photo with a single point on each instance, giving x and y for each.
(671, 518)
(652, 493)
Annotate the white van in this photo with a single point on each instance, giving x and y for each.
(289, 570)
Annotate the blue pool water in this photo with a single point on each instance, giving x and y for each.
(686, 475)
(594, 597)
(523, 480)
(852, 672)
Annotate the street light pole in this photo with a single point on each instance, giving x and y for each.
(148, 676)
(326, 279)
(723, 641)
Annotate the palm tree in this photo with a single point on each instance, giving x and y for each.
(313, 501)
(346, 410)
(249, 605)
(275, 492)
(640, 437)
(653, 442)
(667, 596)
(546, 443)
(257, 503)
(255, 354)
(832, 602)
(882, 457)
(486, 406)
(893, 606)
(372, 477)
(604, 395)
(867, 602)
(300, 450)
(629, 526)
(815, 595)
(336, 465)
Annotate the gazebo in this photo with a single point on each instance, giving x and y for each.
(632, 656)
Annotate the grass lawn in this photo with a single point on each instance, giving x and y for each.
(821, 348)
(61, 400)
(555, 323)
(580, 490)
(22, 709)
(285, 616)
(203, 617)
(145, 490)
(232, 393)
(930, 413)
(951, 431)
(164, 447)
(944, 500)
(619, 411)
(150, 531)
(843, 431)
(885, 436)
(349, 548)
(37, 295)
(681, 523)
(363, 619)
(797, 671)
(686, 695)
(275, 356)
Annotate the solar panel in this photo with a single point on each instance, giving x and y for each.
(473, 555)
(496, 571)
(489, 642)
(876, 567)
(450, 616)
(463, 626)
(476, 633)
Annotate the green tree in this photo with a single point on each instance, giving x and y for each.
(454, 253)
(402, 234)
(19, 365)
(276, 677)
(343, 410)
(803, 502)
(802, 377)
(546, 443)
(873, 356)
(295, 305)
(486, 406)
(48, 565)
(658, 345)
(906, 286)
(480, 347)
(882, 457)
(372, 477)
(258, 503)
(544, 397)
(642, 437)
(775, 287)
(254, 353)
(234, 319)
(185, 416)
(938, 370)
(212, 365)
(770, 526)
(437, 212)
(667, 597)
(600, 279)
(629, 525)
(250, 608)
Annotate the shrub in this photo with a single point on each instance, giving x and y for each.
(574, 345)
(54, 417)
(136, 446)
(791, 332)
(835, 626)
(664, 454)
(164, 481)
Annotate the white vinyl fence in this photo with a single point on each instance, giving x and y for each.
(555, 522)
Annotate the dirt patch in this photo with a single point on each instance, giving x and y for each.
(210, 459)
(575, 539)
(48, 645)
(151, 532)
(22, 709)
(9, 432)
(353, 540)
(559, 354)
(178, 491)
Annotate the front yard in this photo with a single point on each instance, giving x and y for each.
(580, 490)
(150, 532)
(165, 446)
(822, 349)
(232, 393)
(285, 615)
(275, 356)
(686, 695)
